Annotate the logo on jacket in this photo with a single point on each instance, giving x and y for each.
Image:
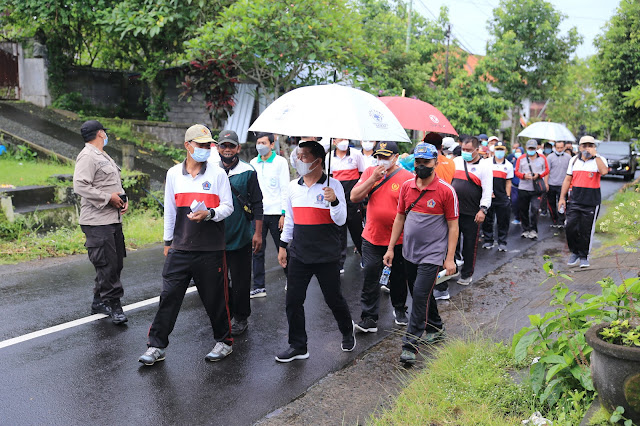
(206, 185)
(395, 186)
(473, 169)
(590, 175)
(319, 198)
(431, 203)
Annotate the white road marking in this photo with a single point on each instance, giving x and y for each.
(80, 321)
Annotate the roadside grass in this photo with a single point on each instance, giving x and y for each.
(620, 225)
(140, 227)
(465, 382)
(24, 173)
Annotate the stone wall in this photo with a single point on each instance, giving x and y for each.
(172, 133)
(34, 82)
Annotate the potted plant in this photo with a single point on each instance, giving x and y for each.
(615, 365)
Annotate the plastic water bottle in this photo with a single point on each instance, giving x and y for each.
(384, 278)
(561, 210)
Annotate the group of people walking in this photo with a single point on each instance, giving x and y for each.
(414, 221)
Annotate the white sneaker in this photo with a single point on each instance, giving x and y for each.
(220, 350)
(465, 281)
(533, 235)
(258, 292)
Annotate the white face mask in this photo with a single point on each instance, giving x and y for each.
(386, 163)
(343, 146)
(304, 169)
(367, 145)
(492, 148)
(263, 149)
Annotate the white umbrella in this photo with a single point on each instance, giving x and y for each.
(331, 110)
(547, 130)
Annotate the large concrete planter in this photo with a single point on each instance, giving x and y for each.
(615, 371)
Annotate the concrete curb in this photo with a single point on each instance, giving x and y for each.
(37, 148)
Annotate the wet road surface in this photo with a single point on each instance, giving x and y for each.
(90, 373)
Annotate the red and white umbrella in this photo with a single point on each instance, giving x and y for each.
(414, 114)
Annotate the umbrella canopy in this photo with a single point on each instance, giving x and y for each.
(415, 114)
(331, 110)
(548, 130)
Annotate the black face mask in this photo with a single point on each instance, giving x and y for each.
(228, 160)
(423, 171)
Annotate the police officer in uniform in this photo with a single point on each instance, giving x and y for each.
(97, 180)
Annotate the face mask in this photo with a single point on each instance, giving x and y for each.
(304, 168)
(547, 151)
(492, 148)
(343, 146)
(531, 152)
(386, 163)
(517, 154)
(467, 156)
(485, 143)
(228, 160)
(367, 146)
(200, 155)
(106, 140)
(423, 171)
(586, 155)
(263, 149)
(500, 154)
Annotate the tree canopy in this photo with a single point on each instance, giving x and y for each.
(526, 53)
(617, 65)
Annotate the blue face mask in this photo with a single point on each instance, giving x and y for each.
(517, 154)
(467, 156)
(485, 143)
(106, 140)
(500, 154)
(531, 152)
(548, 151)
(200, 155)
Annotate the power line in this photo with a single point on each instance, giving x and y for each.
(461, 40)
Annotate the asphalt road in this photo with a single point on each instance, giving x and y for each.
(89, 373)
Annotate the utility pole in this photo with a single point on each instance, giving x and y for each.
(406, 49)
(446, 63)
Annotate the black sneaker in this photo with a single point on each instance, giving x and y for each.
(238, 327)
(98, 307)
(400, 316)
(292, 354)
(349, 340)
(367, 325)
(117, 314)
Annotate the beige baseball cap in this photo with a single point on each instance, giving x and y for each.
(587, 139)
(199, 134)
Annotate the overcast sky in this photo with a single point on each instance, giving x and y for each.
(469, 19)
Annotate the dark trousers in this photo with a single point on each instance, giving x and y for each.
(515, 202)
(372, 261)
(299, 276)
(424, 309)
(469, 230)
(529, 203)
(552, 198)
(239, 266)
(544, 203)
(500, 213)
(269, 225)
(354, 226)
(208, 270)
(105, 246)
(581, 224)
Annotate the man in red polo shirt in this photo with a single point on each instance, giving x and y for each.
(381, 184)
(428, 215)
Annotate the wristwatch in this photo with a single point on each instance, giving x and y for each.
(210, 215)
(484, 209)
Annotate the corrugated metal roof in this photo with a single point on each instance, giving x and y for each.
(240, 120)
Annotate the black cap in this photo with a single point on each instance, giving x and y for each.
(228, 136)
(89, 129)
(386, 148)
